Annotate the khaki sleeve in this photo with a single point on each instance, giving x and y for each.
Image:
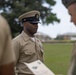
(8, 53)
(16, 47)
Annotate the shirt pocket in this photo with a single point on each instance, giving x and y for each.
(29, 52)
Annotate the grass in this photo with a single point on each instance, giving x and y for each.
(57, 56)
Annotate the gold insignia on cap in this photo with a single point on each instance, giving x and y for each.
(30, 14)
(37, 16)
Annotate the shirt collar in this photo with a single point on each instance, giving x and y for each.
(25, 36)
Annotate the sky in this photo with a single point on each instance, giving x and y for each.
(65, 26)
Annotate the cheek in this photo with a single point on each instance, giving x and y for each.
(74, 18)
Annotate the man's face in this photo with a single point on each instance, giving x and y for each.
(31, 28)
(72, 12)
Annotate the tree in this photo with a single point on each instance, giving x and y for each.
(12, 9)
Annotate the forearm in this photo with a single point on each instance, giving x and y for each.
(7, 69)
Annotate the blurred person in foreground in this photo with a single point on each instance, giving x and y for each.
(71, 6)
(7, 57)
(27, 47)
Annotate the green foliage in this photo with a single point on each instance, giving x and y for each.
(57, 56)
(51, 17)
(59, 38)
(12, 9)
(51, 2)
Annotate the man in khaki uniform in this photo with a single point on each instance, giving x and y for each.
(27, 47)
(7, 56)
(71, 6)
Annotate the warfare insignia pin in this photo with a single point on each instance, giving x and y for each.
(37, 16)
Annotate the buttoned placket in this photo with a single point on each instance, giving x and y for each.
(36, 47)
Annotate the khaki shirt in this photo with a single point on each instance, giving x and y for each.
(6, 50)
(72, 68)
(26, 50)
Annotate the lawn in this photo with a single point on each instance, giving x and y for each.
(57, 56)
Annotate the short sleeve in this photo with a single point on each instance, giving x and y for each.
(6, 49)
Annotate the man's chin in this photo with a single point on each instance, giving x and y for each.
(75, 24)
